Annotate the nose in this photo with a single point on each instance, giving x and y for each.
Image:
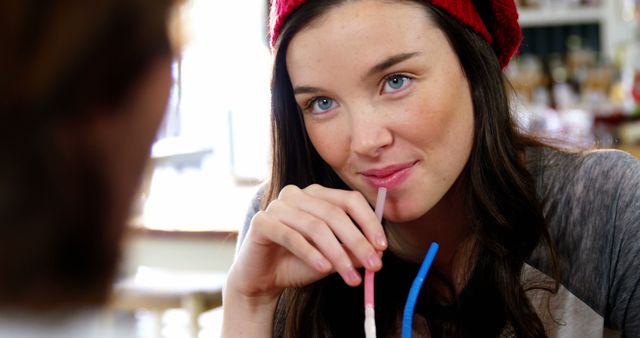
(370, 132)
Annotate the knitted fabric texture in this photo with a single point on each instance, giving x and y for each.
(496, 21)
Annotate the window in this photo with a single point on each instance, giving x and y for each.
(213, 148)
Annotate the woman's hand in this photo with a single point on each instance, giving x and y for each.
(304, 235)
(301, 237)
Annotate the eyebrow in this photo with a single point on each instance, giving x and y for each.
(388, 63)
(378, 68)
(305, 90)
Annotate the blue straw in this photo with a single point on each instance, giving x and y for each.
(407, 317)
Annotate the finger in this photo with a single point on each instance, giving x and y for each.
(339, 223)
(355, 259)
(274, 231)
(364, 248)
(358, 208)
(317, 231)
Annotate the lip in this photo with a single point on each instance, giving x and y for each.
(389, 177)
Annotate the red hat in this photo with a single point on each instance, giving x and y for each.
(498, 23)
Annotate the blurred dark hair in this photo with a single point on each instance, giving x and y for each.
(501, 204)
(61, 61)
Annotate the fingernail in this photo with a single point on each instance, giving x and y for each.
(381, 240)
(353, 277)
(374, 261)
(322, 264)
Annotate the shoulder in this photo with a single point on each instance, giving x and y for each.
(558, 172)
(253, 209)
(607, 162)
(594, 190)
(597, 160)
(590, 201)
(591, 182)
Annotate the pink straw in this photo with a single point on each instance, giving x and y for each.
(382, 195)
(369, 275)
(368, 287)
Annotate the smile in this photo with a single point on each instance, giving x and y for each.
(389, 177)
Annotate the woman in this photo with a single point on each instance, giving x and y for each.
(410, 95)
(83, 90)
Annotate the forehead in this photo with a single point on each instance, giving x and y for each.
(362, 32)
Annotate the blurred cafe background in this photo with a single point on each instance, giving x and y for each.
(576, 81)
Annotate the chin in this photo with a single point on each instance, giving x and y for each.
(402, 217)
(402, 211)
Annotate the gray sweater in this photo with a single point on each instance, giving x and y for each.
(592, 206)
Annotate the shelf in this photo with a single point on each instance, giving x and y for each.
(561, 16)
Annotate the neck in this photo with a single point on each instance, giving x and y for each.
(445, 224)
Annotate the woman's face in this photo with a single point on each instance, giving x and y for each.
(385, 102)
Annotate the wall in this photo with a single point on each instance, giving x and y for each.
(180, 252)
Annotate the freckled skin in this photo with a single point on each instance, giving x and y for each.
(429, 121)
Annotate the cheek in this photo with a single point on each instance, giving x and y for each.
(425, 124)
(442, 126)
(330, 141)
(450, 100)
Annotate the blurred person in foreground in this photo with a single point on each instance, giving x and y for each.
(83, 90)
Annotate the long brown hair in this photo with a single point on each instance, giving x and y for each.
(501, 206)
(60, 61)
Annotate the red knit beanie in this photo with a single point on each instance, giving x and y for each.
(497, 23)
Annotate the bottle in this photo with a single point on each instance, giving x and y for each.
(631, 74)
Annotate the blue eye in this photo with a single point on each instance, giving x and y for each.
(322, 104)
(395, 82)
